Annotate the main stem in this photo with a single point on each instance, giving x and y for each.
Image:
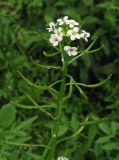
(59, 108)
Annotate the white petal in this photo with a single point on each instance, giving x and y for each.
(74, 53)
(76, 23)
(69, 32)
(78, 36)
(86, 39)
(82, 35)
(66, 17)
(75, 29)
(49, 29)
(60, 29)
(59, 38)
(66, 48)
(61, 23)
(83, 31)
(72, 21)
(55, 43)
(74, 48)
(59, 20)
(56, 31)
(62, 158)
(52, 35)
(51, 24)
(69, 53)
(67, 21)
(72, 37)
(59, 33)
(51, 40)
(71, 25)
(88, 34)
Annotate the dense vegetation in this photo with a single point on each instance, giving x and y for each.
(24, 130)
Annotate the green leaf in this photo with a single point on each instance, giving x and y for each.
(74, 118)
(110, 68)
(26, 124)
(114, 126)
(7, 115)
(111, 146)
(77, 133)
(104, 139)
(91, 135)
(105, 128)
(63, 128)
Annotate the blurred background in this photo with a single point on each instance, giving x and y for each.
(22, 27)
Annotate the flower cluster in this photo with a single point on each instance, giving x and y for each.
(69, 28)
(62, 158)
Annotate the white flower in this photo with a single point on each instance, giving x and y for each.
(72, 23)
(85, 35)
(51, 27)
(63, 20)
(59, 31)
(55, 39)
(73, 33)
(68, 28)
(62, 158)
(71, 51)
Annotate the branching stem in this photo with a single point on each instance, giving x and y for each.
(59, 106)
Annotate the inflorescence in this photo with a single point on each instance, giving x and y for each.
(62, 158)
(66, 28)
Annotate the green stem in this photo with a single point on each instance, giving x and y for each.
(59, 108)
(51, 146)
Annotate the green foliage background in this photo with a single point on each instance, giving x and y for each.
(21, 25)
